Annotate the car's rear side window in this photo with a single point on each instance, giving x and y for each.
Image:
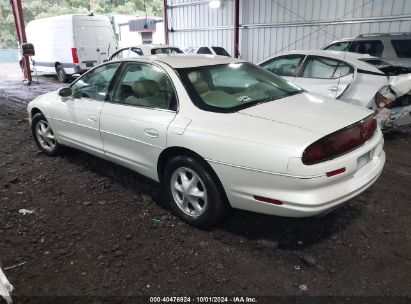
(284, 65)
(143, 85)
(370, 47)
(325, 68)
(204, 50)
(402, 47)
(220, 51)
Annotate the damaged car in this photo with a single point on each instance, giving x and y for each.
(358, 79)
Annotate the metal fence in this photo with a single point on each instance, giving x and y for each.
(268, 27)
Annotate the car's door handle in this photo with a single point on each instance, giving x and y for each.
(153, 133)
(92, 118)
(334, 89)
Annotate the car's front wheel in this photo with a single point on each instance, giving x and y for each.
(44, 135)
(193, 192)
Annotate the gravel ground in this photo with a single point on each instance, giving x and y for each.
(98, 229)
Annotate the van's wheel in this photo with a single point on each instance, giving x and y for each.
(193, 193)
(44, 136)
(61, 74)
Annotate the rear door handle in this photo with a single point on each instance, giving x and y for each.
(92, 118)
(334, 89)
(153, 133)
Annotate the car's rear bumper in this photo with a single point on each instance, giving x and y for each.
(303, 196)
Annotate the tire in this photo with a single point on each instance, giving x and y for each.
(207, 205)
(61, 74)
(44, 136)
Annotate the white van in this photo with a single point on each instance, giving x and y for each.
(70, 44)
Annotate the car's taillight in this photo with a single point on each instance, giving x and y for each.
(74, 55)
(340, 142)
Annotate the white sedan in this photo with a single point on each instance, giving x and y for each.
(359, 79)
(257, 143)
(144, 50)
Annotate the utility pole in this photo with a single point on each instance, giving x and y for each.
(165, 20)
(236, 27)
(21, 33)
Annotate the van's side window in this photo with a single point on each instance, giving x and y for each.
(95, 83)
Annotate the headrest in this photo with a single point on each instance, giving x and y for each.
(201, 86)
(146, 87)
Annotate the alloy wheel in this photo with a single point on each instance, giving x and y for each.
(45, 135)
(189, 192)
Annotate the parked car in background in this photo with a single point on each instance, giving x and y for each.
(392, 47)
(359, 79)
(207, 50)
(261, 144)
(70, 44)
(144, 50)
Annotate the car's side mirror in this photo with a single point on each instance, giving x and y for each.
(65, 92)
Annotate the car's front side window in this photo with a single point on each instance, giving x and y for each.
(120, 54)
(94, 84)
(338, 46)
(284, 65)
(144, 85)
(231, 87)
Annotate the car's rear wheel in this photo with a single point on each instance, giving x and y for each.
(44, 135)
(193, 192)
(61, 74)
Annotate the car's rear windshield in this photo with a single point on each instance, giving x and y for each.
(166, 51)
(235, 86)
(220, 51)
(387, 68)
(402, 47)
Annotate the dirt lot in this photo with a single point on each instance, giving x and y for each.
(101, 230)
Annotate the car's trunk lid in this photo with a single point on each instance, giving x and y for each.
(311, 112)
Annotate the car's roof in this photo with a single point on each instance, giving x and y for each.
(186, 61)
(151, 46)
(349, 57)
(157, 46)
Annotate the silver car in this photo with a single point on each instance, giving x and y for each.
(392, 47)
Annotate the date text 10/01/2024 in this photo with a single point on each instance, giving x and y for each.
(203, 300)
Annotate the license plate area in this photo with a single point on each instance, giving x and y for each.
(363, 160)
(89, 64)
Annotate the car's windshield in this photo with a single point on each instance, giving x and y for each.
(235, 86)
(169, 50)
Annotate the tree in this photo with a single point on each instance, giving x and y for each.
(34, 9)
